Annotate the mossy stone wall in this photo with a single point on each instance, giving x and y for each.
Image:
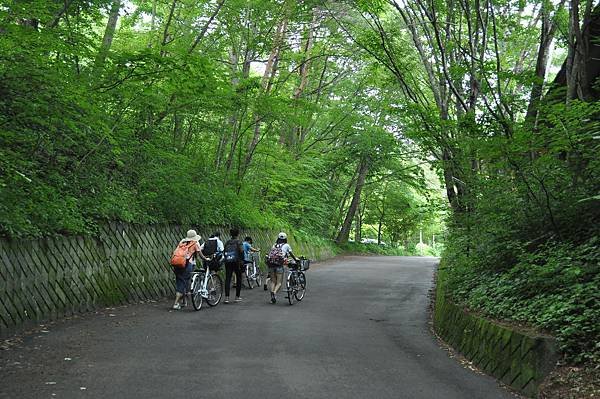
(521, 360)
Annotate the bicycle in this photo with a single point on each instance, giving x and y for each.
(295, 282)
(206, 285)
(253, 272)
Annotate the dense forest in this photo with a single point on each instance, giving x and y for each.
(232, 112)
(475, 119)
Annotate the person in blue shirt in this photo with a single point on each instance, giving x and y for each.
(248, 249)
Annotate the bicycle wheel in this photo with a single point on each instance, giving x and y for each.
(196, 288)
(301, 287)
(249, 275)
(214, 286)
(290, 285)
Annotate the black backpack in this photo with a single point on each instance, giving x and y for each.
(210, 247)
(232, 251)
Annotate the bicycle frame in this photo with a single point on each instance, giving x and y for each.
(203, 289)
(200, 289)
(295, 289)
(251, 269)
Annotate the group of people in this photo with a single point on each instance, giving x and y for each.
(234, 253)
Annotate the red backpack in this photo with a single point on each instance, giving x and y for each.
(182, 253)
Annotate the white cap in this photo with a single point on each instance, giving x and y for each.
(282, 236)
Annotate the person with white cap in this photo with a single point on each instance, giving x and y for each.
(183, 274)
(276, 259)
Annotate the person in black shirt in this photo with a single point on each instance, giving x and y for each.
(234, 257)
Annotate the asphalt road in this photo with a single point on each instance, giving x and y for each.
(362, 331)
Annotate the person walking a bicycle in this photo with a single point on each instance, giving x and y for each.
(187, 249)
(234, 257)
(276, 259)
(213, 250)
(248, 251)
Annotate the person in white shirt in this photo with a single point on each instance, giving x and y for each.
(213, 245)
(213, 249)
(276, 259)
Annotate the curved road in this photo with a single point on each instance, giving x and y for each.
(361, 332)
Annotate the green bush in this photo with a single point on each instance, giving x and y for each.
(554, 289)
(373, 249)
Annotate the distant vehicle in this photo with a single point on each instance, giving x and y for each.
(371, 241)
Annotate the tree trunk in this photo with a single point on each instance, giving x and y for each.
(274, 55)
(573, 58)
(166, 35)
(363, 170)
(152, 24)
(109, 33)
(303, 74)
(451, 183)
(337, 220)
(206, 26)
(567, 76)
(266, 84)
(238, 115)
(358, 227)
(58, 16)
(546, 37)
(381, 213)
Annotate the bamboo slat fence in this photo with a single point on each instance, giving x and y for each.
(50, 278)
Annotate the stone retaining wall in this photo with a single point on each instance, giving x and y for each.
(54, 277)
(518, 359)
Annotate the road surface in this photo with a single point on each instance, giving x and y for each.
(362, 331)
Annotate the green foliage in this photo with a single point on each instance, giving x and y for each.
(177, 121)
(375, 249)
(527, 251)
(521, 173)
(162, 131)
(553, 289)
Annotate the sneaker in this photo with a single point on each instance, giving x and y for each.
(273, 298)
(226, 300)
(177, 307)
(238, 299)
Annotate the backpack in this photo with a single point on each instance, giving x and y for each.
(210, 247)
(182, 253)
(275, 256)
(232, 251)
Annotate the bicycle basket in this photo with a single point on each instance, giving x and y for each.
(304, 264)
(292, 264)
(214, 265)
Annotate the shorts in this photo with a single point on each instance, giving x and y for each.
(275, 269)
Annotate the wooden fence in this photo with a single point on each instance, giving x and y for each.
(50, 278)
